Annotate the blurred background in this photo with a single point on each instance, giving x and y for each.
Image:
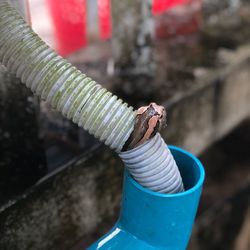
(60, 188)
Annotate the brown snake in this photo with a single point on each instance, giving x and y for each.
(149, 120)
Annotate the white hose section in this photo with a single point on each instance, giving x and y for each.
(84, 101)
(55, 80)
(153, 166)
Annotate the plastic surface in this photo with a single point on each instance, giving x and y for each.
(150, 220)
(153, 166)
(59, 83)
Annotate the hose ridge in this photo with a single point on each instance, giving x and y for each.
(51, 77)
(167, 178)
(82, 100)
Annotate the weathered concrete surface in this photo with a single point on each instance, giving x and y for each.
(243, 240)
(220, 225)
(22, 156)
(132, 64)
(132, 36)
(73, 203)
(223, 218)
(206, 113)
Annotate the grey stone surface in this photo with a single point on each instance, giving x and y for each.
(67, 206)
(22, 156)
(206, 113)
(219, 226)
(223, 218)
(132, 36)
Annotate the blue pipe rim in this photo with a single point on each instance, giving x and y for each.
(198, 184)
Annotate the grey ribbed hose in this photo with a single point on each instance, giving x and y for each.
(153, 166)
(69, 91)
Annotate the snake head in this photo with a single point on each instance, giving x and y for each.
(149, 120)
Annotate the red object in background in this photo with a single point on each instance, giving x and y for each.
(160, 6)
(104, 16)
(69, 19)
(182, 19)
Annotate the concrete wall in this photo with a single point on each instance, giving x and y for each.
(205, 114)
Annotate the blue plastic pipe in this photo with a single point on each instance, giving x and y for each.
(151, 220)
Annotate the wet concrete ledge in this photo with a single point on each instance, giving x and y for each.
(82, 199)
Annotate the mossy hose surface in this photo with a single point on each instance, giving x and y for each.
(72, 93)
(56, 81)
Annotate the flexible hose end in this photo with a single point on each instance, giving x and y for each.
(153, 166)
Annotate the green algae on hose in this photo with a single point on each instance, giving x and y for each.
(55, 80)
(55, 99)
(50, 76)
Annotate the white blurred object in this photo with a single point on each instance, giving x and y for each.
(41, 21)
